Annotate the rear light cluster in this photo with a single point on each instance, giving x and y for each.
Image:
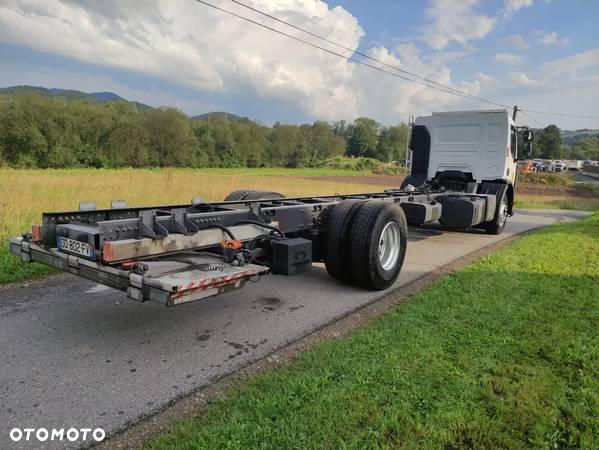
(36, 233)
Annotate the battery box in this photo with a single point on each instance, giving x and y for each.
(291, 256)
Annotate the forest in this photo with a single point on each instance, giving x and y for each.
(56, 132)
(41, 131)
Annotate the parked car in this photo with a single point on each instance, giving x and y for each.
(573, 164)
(559, 166)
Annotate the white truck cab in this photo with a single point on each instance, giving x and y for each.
(480, 143)
(468, 151)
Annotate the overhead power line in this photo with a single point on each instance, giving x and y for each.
(366, 56)
(332, 52)
(530, 117)
(415, 78)
(576, 116)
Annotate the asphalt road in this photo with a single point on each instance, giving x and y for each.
(76, 354)
(585, 178)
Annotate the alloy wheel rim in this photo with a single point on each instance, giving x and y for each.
(389, 246)
(502, 212)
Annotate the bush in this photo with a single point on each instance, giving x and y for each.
(364, 164)
(389, 169)
(545, 178)
(343, 162)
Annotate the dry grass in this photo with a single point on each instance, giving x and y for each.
(25, 194)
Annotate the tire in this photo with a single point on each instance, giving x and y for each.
(497, 225)
(323, 218)
(237, 195)
(337, 246)
(266, 195)
(374, 266)
(250, 194)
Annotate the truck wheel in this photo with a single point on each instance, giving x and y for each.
(266, 195)
(338, 244)
(249, 194)
(378, 244)
(497, 225)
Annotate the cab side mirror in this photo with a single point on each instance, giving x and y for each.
(528, 136)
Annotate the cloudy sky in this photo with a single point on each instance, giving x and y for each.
(539, 54)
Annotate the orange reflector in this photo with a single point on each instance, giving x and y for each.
(36, 233)
(232, 243)
(107, 252)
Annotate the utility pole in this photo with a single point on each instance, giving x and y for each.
(408, 152)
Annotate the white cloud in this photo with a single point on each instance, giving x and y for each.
(455, 21)
(522, 79)
(547, 38)
(514, 40)
(406, 98)
(484, 79)
(572, 64)
(508, 58)
(189, 44)
(515, 5)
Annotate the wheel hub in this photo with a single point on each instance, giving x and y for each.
(502, 212)
(389, 246)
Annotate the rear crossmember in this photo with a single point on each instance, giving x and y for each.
(179, 253)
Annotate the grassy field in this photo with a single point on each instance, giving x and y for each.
(502, 354)
(557, 202)
(25, 194)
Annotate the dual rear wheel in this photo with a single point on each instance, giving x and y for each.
(365, 243)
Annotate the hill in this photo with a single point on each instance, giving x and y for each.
(220, 115)
(70, 94)
(572, 137)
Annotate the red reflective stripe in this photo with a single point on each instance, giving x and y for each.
(213, 282)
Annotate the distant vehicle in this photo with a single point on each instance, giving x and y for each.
(541, 166)
(559, 166)
(573, 164)
(527, 166)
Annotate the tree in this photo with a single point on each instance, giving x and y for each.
(363, 138)
(170, 137)
(392, 143)
(322, 143)
(205, 153)
(127, 146)
(587, 148)
(250, 140)
(549, 142)
(281, 144)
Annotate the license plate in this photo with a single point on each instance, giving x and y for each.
(73, 246)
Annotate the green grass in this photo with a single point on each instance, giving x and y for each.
(557, 202)
(563, 178)
(502, 354)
